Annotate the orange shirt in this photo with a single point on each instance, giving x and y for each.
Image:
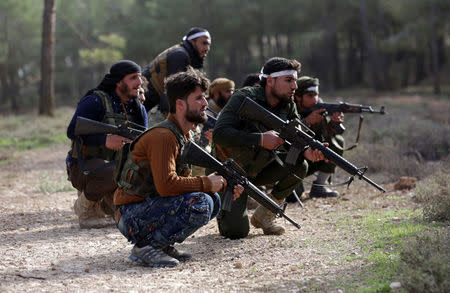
(160, 147)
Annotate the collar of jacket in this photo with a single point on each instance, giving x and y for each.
(196, 61)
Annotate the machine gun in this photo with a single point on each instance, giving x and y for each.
(293, 135)
(234, 174)
(128, 129)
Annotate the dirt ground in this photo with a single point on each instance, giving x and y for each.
(43, 249)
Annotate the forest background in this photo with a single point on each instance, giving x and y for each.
(378, 45)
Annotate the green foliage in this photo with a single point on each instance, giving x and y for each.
(326, 36)
(434, 194)
(113, 44)
(425, 263)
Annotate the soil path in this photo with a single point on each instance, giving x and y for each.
(43, 249)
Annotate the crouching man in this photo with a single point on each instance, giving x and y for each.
(158, 203)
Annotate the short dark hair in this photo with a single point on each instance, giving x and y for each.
(251, 79)
(276, 64)
(180, 85)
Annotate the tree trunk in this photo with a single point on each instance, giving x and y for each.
(373, 67)
(47, 92)
(434, 50)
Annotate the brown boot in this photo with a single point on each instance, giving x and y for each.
(90, 214)
(265, 219)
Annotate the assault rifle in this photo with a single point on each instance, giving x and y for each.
(293, 135)
(234, 174)
(331, 108)
(347, 108)
(128, 129)
(210, 123)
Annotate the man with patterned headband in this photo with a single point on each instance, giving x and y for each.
(191, 51)
(252, 146)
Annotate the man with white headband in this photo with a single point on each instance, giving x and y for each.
(190, 51)
(252, 146)
(306, 97)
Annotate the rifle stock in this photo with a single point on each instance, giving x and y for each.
(195, 155)
(85, 126)
(290, 132)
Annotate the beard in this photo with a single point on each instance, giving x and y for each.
(221, 101)
(195, 117)
(282, 98)
(125, 90)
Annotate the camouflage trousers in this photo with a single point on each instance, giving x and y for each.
(162, 221)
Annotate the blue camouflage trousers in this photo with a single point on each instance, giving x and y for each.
(162, 221)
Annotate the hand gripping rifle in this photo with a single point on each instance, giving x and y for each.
(128, 129)
(293, 135)
(234, 174)
(210, 123)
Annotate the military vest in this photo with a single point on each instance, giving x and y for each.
(102, 152)
(136, 178)
(252, 159)
(158, 68)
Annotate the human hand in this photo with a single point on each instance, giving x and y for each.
(115, 142)
(270, 140)
(209, 134)
(237, 191)
(217, 181)
(337, 117)
(314, 155)
(315, 117)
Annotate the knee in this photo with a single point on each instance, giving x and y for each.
(301, 168)
(201, 207)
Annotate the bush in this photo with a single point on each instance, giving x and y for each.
(425, 262)
(401, 142)
(387, 161)
(434, 194)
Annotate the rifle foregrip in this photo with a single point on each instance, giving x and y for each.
(335, 158)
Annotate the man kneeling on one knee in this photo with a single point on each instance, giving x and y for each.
(158, 202)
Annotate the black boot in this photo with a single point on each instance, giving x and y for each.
(322, 191)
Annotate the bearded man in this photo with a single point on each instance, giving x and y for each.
(252, 146)
(191, 51)
(90, 162)
(158, 201)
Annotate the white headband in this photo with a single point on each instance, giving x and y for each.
(278, 73)
(197, 35)
(313, 89)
